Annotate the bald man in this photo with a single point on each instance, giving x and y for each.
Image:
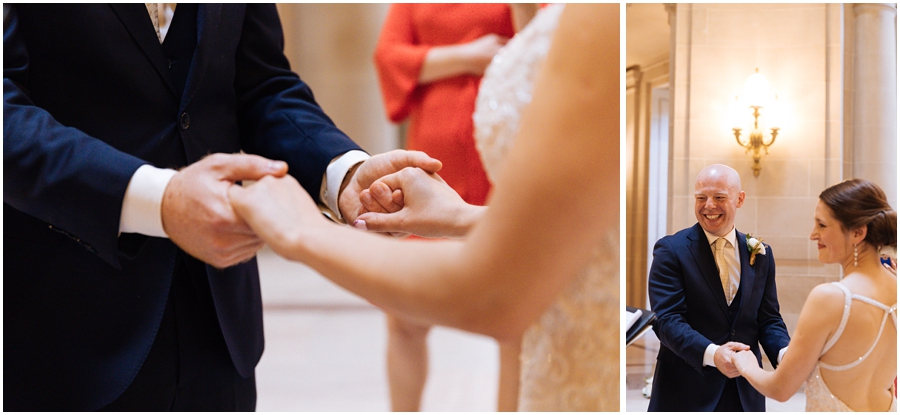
(710, 301)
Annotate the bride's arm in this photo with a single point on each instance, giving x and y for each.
(556, 198)
(818, 320)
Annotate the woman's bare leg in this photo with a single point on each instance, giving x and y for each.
(407, 363)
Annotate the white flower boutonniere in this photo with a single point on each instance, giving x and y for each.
(755, 246)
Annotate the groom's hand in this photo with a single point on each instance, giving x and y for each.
(197, 215)
(376, 167)
(723, 357)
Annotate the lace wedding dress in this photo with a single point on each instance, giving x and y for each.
(570, 356)
(818, 397)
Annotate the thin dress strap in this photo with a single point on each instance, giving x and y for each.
(888, 311)
(848, 298)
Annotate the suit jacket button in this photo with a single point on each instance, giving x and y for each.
(732, 332)
(185, 121)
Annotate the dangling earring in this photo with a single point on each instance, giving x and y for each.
(855, 256)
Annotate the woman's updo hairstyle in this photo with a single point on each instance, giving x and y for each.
(859, 202)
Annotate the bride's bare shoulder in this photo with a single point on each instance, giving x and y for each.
(825, 303)
(826, 292)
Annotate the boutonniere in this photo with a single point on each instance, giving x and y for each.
(755, 246)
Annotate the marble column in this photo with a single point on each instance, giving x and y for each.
(875, 96)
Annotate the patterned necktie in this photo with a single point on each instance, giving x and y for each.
(723, 269)
(161, 16)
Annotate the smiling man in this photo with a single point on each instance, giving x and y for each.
(711, 301)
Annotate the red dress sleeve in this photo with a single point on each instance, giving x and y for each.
(398, 60)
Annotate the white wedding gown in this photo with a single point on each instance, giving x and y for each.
(570, 356)
(818, 397)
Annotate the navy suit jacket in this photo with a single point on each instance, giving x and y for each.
(689, 301)
(86, 101)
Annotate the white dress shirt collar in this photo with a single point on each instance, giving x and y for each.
(731, 237)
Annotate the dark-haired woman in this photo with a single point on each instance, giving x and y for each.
(845, 344)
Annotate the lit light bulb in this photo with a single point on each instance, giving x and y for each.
(756, 90)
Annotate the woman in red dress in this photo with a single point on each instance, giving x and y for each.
(430, 59)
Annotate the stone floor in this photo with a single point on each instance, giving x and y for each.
(636, 402)
(325, 351)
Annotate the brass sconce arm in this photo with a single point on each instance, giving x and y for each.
(756, 142)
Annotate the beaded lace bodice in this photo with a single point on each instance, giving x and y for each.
(570, 356)
(507, 86)
(818, 396)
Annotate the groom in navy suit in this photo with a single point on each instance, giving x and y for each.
(710, 301)
(129, 283)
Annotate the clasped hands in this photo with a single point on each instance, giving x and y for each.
(212, 219)
(415, 201)
(733, 358)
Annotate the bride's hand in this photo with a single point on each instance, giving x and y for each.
(744, 360)
(278, 210)
(416, 202)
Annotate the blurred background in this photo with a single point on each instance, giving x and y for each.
(325, 351)
(325, 348)
(331, 47)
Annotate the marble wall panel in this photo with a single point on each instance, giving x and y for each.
(790, 320)
(802, 139)
(799, 25)
(784, 67)
(721, 26)
(786, 216)
(789, 248)
(723, 63)
(682, 213)
(818, 176)
(746, 219)
(792, 291)
(831, 272)
(713, 140)
(783, 177)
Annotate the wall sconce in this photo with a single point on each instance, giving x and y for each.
(756, 97)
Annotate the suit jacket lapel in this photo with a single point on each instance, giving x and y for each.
(706, 262)
(748, 275)
(136, 19)
(209, 17)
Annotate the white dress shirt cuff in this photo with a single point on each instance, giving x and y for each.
(141, 207)
(709, 356)
(781, 354)
(334, 176)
